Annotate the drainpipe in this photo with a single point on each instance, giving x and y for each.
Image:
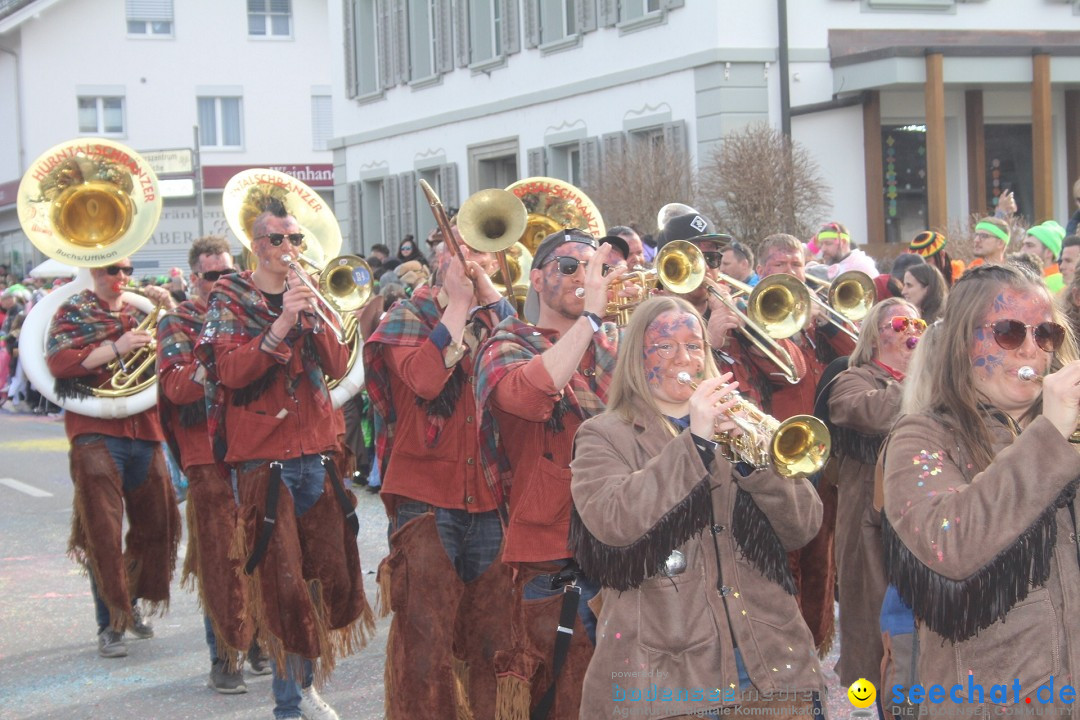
(785, 90)
(18, 110)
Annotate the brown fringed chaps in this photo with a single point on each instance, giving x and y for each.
(814, 568)
(144, 570)
(211, 519)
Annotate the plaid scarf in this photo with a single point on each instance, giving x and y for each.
(177, 332)
(514, 343)
(237, 312)
(407, 324)
(81, 322)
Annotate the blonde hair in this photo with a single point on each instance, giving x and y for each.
(870, 330)
(629, 392)
(940, 380)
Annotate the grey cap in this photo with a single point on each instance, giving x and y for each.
(543, 252)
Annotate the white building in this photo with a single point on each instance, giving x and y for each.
(254, 76)
(471, 94)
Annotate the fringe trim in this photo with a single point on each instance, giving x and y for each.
(825, 648)
(459, 670)
(121, 617)
(190, 574)
(555, 422)
(959, 609)
(856, 445)
(71, 389)
(193, 414)
(758, 542)
(254, 390)
(625, 568)
(512, 698)
(444, 403)
(269, 643)
(382, 597)
(388, 676)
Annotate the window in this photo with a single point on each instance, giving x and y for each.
(150, 17)
(362, 69)
(269, 18)
(485, 29)
(371, 221)
(493, 165)
(101, 115)
(558, 20)
(905, 181)
(422, 48)
(219, 122)
(633, 9)
(322, 122)
(565, 162)
(1009, 164)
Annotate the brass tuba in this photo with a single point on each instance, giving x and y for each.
(555, 205)
(88, 202)
(344, 283)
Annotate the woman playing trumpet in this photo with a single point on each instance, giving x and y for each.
(979, 485)
(689, 547)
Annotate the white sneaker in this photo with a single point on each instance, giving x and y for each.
(313, 707)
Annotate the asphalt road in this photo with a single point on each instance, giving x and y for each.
(49, 666)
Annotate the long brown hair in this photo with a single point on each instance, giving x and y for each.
(629, 392)
(942, 369)
(933, 303)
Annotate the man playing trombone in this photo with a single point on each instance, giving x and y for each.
(116, 463)
(268, 349)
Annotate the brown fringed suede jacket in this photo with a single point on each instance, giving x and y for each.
(639, 494)
(988, 560)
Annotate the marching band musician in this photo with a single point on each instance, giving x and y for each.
(979, 528)
(862, 404)
(811, 349)
(689, 547)
(117, 464)
(445, 532)
(535, 386)
(270, 416)
(211, 505)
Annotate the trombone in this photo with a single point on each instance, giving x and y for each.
(345, 285)
(776, 309)
(849, 298)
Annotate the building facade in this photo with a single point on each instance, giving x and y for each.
(918, 111)
(226, 85)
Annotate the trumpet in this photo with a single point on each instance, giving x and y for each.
(849, 298)
(330, 315)
(796, 447)
(776, 308)
(1028, 373)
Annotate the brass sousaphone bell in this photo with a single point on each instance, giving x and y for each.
(553, 205)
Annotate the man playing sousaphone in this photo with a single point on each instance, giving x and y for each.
(116, 463)
(270, 416)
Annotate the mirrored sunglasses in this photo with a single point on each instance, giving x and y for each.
(903, 324)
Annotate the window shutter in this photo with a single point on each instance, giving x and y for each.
(149, 10)
(613, 146)
(391, 211)
(675, 136)
(609, 12)
(348, 18)
(586, 15)
(448, 186)
(322, 121)
(356, 221)
(385, 34)
(537, 161)
(532, 23)
(461, 32)
(590, 160)
(672, 4)
(407, 191)
(511, 26)
(444, 36)
(402, 60)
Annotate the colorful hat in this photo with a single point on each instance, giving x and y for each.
(1049, 234)
(927, 243)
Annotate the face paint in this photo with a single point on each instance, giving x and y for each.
(994, 367)
(559, 290)
(673, 343)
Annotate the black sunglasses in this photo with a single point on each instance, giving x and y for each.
(569, 265)
(1010, 334)
(117, 269)
(713, 258)
(276, 239)
(213, 275)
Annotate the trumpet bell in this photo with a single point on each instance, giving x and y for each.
(852, 294)
(347, 282)
(680, 267)
(800, 446)
(492, 220)
(553, 205)
(780, 305)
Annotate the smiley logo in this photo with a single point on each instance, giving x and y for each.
(862, 693)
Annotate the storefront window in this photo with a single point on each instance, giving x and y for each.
(1008, 167)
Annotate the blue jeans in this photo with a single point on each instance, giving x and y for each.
(540, 587)
(132, 458)
(471, 540)
(287, 690)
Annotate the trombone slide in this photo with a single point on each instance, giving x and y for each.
(333, 321)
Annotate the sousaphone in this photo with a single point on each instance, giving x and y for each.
(555, 205)
(87, 202)
(345, 282)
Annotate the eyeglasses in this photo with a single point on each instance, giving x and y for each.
(903, 324)
(667, 350)
(713, 259)
(1010, 334)
(117, 269)
(276, 239)
(213, 275)
(569, 265)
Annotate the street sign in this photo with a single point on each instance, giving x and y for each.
(177, 161)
